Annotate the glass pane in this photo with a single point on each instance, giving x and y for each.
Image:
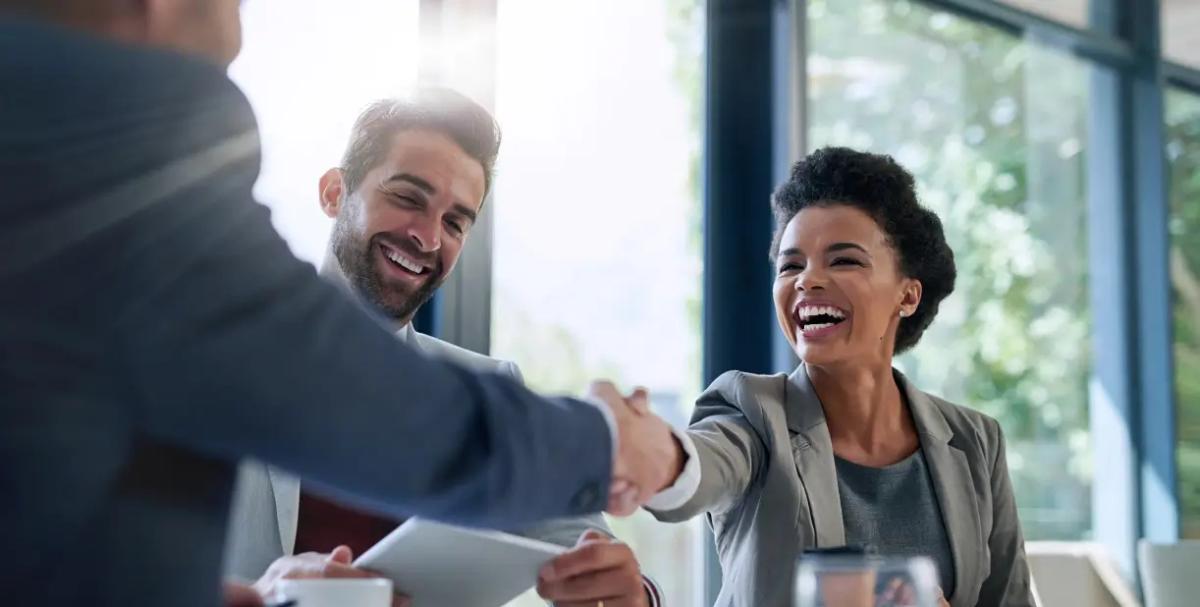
(993, 128)
(1071, 12)
(1181, 31)
(597, 258)
(308, 71)
(1183, 156)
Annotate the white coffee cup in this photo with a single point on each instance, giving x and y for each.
(373, 592)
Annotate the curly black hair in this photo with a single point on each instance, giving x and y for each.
(877, 185)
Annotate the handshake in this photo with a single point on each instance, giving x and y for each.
(648, 459)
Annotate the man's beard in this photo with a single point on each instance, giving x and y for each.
(357, 260)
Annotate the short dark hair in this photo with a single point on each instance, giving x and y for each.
(877, 185)
(439, 110)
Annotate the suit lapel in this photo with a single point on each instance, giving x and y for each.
(286, 490)
(953, 484)
(814, 459)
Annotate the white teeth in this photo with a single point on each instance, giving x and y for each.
(817, 327)
(415, 268)
(806, 312)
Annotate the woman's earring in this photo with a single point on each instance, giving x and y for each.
(903, 314)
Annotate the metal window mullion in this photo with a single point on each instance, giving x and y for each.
(1182, 76)
(791, 119)
(1133, 400)
(1146, 144)
(1095, 44)
(461, 311)
(1113, 415)
(738, 170)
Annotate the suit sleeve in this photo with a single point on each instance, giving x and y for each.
(1008, 583)
(729, 450)
(233, 347)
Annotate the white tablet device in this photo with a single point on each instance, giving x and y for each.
(440, 565)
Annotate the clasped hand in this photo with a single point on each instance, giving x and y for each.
(648, 458)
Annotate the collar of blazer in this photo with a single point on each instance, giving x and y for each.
(948, 466)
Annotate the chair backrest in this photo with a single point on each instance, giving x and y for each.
(1170, 573)
(1077, 574)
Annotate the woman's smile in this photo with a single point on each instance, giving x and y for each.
(817, 320)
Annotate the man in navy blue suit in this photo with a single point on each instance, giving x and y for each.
(154, 329)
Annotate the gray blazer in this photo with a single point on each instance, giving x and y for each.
(769, 488)
(262, 524)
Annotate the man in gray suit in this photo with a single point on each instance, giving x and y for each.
(154, 330)
(412, 180)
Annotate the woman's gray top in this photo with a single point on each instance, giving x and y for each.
(894, 510)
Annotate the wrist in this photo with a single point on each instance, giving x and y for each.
(678, 461)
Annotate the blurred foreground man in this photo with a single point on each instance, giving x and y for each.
(411, 184)
(154, 329)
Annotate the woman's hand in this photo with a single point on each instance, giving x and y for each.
(900, 593)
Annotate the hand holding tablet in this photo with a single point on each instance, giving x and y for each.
(436, 564)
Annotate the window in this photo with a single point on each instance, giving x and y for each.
(597, 258)
(1071, 12)
(993, 129)
(308, 71)
(1183, 156)
(1180, 27)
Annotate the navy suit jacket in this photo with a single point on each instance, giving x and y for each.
(154, 328)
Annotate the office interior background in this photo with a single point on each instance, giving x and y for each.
(627, 234)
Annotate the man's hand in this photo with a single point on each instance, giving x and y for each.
(240, 595)
(312, 565)
(597, 569)
(649, 457)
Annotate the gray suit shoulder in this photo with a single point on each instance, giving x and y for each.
(742, 391)
(463, 357)
(737, 387)
(968, 422)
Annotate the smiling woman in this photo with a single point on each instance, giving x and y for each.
(861, 270)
